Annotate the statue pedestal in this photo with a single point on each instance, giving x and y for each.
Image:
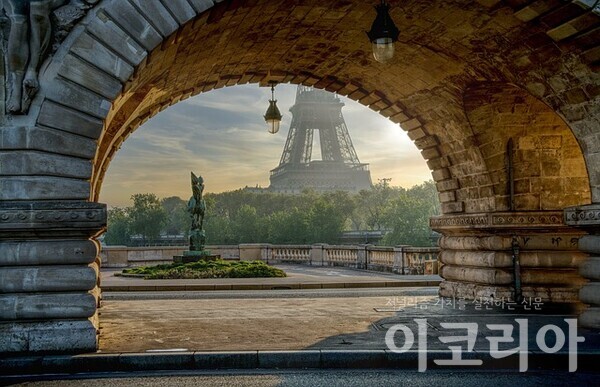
(194, 256)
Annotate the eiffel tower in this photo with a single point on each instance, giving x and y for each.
(339, 168)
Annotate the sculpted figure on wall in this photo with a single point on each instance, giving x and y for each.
(26, 45)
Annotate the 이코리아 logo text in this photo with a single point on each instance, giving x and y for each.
(504, 337)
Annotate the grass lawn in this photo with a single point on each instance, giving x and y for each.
(208, 269)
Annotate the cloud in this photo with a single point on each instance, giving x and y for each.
(222, 135)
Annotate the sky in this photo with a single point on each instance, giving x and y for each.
(222, 136)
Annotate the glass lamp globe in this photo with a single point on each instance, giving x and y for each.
(383, 49)
(273, 125)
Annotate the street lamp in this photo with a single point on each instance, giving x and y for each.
(273, 115)
(383, 34)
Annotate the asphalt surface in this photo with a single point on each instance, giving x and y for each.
(265, 294)
(328, 378)
(298, 277)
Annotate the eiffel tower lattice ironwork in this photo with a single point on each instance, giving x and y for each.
(339, 167)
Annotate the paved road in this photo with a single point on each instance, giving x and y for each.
(331, 378)
(263, 294)
(298, 277)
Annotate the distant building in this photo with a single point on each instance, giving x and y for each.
(339, 168)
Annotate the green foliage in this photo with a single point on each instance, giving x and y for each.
(208, 269)
(328, 216)
(289, 227)
(407, 215)
(178, 220)
(243, 216)
(119, 231)
(247, 225)
(147, 216)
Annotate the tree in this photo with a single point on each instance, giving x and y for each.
(289, 227)
(118, 232)
(328, 216)
(147, 216)
(408, 216)
(178, 221)
(247, 226)
(372, 205)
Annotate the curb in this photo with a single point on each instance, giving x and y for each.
(271, 286)
(303, 359)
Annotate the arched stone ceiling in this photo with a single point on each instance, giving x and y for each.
(445, 47)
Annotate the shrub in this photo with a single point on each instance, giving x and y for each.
(208, 269)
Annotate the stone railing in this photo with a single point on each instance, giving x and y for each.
(420, 260)
(340, 255)
(399, 259)
(381, 256)
(291, 254)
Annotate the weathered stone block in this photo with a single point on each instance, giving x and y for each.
(47, 279)
(43, 188)
(43, 139)
(91, 50)
(47, 336)
(590, 294)
(47, 252)
(123, 13)
(476, 275)
(203, 5)
(78, 98)
(590, 244)
(84, 74)
(181, 10)
(441, 174)
(590, 268)
(155, 11)
(104, 29)
(453, 207)
(70, 120)
(590, 318)
(24, 163)
(447, 185)
(448, 196)
(42, 306)
(490, 259)
(558, 277)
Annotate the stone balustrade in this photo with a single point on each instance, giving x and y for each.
(399, 259)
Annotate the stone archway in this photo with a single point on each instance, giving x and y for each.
(127, 60)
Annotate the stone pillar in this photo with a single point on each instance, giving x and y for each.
(49, 283)
(362, 257)
(399, 259)
(255, 251)
(317, 255)
(588, 219)
(477, 255)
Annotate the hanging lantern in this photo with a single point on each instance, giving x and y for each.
(273, 115)
(383, 34)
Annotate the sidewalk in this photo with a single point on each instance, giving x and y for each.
(299, 277)
(359, 349)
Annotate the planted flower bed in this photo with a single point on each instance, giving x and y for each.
(207, 269)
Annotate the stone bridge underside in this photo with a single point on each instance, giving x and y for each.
(468, 76)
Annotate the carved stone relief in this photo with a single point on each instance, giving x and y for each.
(31, 30)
